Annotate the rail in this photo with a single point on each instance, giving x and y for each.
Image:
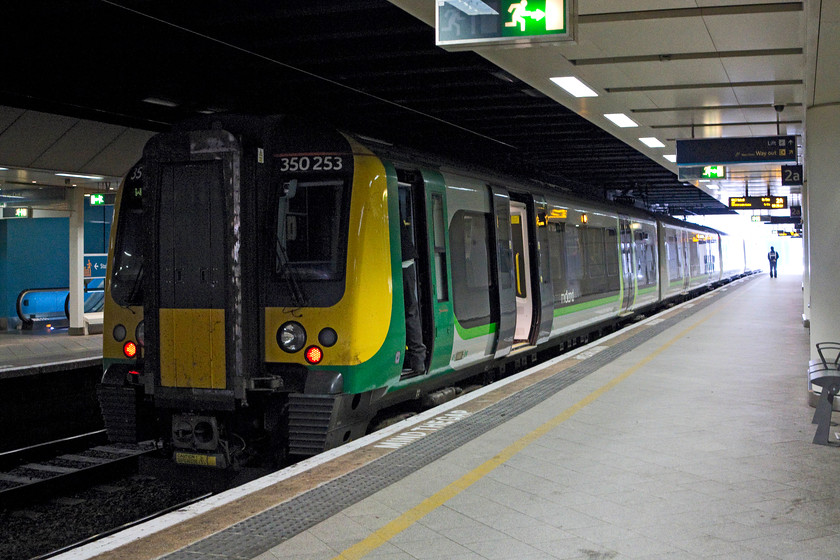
(33, 473)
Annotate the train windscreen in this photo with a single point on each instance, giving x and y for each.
(127, 268)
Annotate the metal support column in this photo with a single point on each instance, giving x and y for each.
(77, 254)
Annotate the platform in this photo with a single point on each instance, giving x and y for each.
(686, 436)
(28, 352)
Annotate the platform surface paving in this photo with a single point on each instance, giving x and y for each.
(26, 352)
(702, 450)
(695, 442)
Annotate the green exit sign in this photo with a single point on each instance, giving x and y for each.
(21, 212)
(463, 24)
(714, 172)
(97, 199)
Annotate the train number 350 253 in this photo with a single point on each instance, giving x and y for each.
(311, 163)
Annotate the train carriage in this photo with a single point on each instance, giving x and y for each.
(255, 301)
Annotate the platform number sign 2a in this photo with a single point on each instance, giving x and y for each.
(791, 175)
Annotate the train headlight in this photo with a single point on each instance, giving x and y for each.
(140, 333)
(119, 333)
(291, 336)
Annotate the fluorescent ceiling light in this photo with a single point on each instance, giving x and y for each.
(4, 168)
(671, 157)
(574, 86)
(472, 7)
(159, 101)
(652, 142)
(94, 177)
(621, 120)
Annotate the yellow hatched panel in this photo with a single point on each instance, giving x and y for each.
(192, 348)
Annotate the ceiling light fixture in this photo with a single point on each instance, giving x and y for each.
(671, 157)
(574, 86)
(77, 176)
(621, 120)
(159, 101)
(652, 142)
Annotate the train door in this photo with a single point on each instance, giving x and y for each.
(191, 283)
(543, 270)
(415, 257)
(522, 271)
(194, 307)
(437, 232)
(628, 276)
(505, 300)
(686, 248)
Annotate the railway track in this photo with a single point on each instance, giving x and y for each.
(41, 471)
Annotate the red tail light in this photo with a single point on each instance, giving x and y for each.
(314, 355)
(129, 349)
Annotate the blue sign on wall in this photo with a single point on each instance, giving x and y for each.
(95, 265)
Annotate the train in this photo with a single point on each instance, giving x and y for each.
(258, 301)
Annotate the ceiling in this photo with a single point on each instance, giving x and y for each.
(87, 82)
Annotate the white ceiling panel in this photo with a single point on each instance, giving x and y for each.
(673, 35)
(661, 73)
(612, 6)
(78, 146)
(756, 31)
(118, 157)
(764, 68)
(8, 115)
(698, 97)
(768, 94)
(30, 135)
(697, 116)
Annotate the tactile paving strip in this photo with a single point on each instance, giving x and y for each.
(253, 536)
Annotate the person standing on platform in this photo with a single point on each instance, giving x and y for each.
(773, 257)
(415, 355)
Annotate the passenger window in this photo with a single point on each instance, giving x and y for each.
(469, 239)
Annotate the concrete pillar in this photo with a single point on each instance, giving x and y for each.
(822, 171)
(77, 254)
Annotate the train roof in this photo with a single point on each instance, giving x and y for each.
(253, 125)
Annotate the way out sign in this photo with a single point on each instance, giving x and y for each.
(463, 24)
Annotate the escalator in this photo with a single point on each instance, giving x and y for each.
(49, 308)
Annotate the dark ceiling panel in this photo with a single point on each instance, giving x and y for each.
(364, 65)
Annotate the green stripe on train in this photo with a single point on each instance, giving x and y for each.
(585, 305)
(484, 330)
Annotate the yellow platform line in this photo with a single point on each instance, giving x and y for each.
(406, 520)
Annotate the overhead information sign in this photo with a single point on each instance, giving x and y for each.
(463, 24)
(758, 202)
(763, 149)
(791, 175)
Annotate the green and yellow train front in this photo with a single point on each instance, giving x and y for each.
(265, 265)
(333, 307)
